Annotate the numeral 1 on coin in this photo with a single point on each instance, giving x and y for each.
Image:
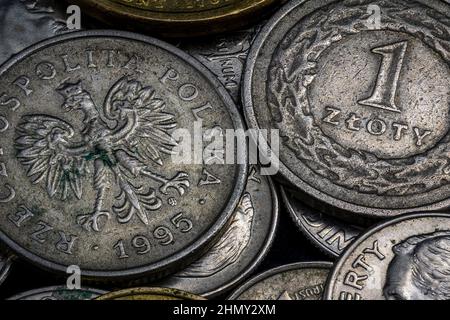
(384, 94)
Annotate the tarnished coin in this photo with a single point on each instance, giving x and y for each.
(25, 22)
(5, 264)
(149, 294)
(178, 18)
(360, 94)
(407, 258)
(241, 248)
(58, 293)
(327, 233)
(297, 281)
(224, 55)
(95, 174)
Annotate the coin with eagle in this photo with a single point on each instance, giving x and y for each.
(96, 162)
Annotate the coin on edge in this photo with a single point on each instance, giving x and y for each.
(327, 233)
(95, 175)
(241, 248)
(149, 294)
(178, 18)
(297, 281)
(407, 258)
(6, 259)
(361, 108)
(58, 293)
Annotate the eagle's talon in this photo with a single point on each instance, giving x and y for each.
(180, 182)
(90, 221)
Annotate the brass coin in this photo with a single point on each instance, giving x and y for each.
(149, 294)
(178, 18)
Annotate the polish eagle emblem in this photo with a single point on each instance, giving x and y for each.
(119, 143)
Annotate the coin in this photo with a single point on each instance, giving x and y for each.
(26, 22)
(178, 18)
(58, 293)
(297, 281)
(407, 258)
(95, 173)
(149, 294)
(5, 263)
(361, 103)
(327, 233)
(241, 248)
(224, 55)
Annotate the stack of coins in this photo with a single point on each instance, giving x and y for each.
(145, 145)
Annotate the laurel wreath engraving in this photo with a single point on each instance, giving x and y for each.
(293, 68)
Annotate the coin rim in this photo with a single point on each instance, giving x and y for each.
(198, 245)
(305, 231)
(24, 294)
(331, 282)
(284, 171)
(169, 24)
(175, 293)
(4, 272)
(283, 268)
(256, 261)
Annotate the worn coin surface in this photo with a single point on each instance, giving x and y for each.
(361, 103)
(94, 170)
(297, 281)
(26, 22)
(407, 258)
(240, 249)
(58, 293)
(149, 294)
(178, 18)
(326, 232)
(5, 264)
(224, 55)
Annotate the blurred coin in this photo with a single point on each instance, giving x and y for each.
(149, 294)
(178, 18)
(240, 249)
(25, 22)
(327, 233)
(5, 263)
(58, 293)
(297, 281)
(407, 258)
(360, 94)
(92, 173)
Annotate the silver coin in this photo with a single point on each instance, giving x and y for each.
(407, 258)
(297, 281)
(58, 293)
(88, 150)
(327, 233)
(6, 259)
(26, 22)
(241, 248)
(224, 55)
(361, 103)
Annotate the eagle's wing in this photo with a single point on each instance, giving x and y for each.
(39, 148)
(150, 137)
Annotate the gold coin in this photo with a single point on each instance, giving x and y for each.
(149, 294)
(178, 18)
